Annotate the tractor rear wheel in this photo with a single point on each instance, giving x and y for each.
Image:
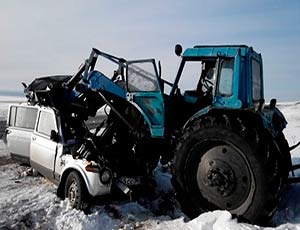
(221, 164)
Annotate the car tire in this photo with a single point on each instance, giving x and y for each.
(76, 191)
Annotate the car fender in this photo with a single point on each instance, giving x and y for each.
(91, 179)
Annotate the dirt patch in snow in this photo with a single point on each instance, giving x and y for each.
(4, 160)
(2, 128)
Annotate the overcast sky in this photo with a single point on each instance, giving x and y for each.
(39, 38)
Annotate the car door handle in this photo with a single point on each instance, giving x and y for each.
(33, 138)
(7, 131)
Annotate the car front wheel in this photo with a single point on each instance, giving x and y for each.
(76, 191)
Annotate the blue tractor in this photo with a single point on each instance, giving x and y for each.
(226, 148)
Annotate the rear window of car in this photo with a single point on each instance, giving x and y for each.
(22, 117)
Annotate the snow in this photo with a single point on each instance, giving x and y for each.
(3, 110)
(28, 202)
(3, 150)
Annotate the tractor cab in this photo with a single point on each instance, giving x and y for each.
(217, 77)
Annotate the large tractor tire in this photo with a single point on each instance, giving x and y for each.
(222, 164)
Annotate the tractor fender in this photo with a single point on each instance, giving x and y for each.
(245, 114)
(274, 119)
(197, 115)
(91, 179)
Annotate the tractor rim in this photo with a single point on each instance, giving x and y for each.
(224, 177)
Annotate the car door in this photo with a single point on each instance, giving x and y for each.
(21, 122)
(43, 149)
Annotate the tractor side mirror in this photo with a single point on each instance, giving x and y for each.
(178, 50)
(54, 136)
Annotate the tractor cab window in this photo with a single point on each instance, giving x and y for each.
(142, 76)
(226, 77)
(256, 81)
(190, 75)
(197, 77)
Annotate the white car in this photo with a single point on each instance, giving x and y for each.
(37, 136)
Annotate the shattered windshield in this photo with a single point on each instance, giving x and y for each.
(141, 76)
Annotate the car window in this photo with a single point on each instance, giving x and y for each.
(22, 117)
(46, 123)
(12, 116)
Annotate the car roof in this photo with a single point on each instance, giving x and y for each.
(36, 106)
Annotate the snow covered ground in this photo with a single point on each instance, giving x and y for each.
(28, 202)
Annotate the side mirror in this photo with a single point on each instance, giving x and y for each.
(54, 136)
(178, 50)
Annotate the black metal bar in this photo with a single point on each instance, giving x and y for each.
(112, 58)
(116, 111)
(294, 146)
(294, 167)
(292, 180)
(175, 85)
(167, 82)
(88, 64)
(76, 77)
